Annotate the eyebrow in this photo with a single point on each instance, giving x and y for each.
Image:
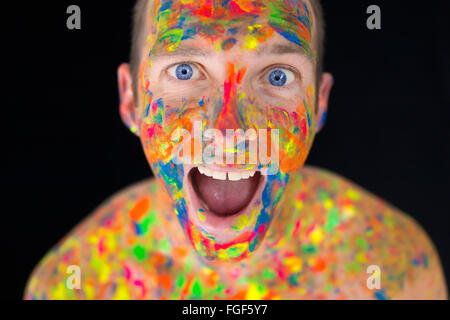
(188, 51)
(281, 48)
(181, 51)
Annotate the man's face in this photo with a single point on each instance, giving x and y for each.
(227, 65)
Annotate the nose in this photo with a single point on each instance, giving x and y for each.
(226, 114)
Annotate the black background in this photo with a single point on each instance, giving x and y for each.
(66, 149)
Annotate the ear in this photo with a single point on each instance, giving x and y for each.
(326, 83)
(128, 110)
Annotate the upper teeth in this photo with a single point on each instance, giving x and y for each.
(222, 175)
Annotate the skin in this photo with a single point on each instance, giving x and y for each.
(311, 235)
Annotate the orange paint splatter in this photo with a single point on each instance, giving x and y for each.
(240, 295)
(139, 209)
(320, 265)
(186, 287)
(165, 280)
(179, 252)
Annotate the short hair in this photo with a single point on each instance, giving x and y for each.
(138, 38)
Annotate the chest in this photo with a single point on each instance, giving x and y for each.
(169, 280)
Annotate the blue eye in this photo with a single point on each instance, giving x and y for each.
(277, 77)
(184, 71)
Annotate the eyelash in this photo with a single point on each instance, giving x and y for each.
(288, 87)
(273, 67)
(178, 63)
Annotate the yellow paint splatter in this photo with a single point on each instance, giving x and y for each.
(250, 42)
(361, 258)
(89, 291)
(352, 194)
(298, 204)
(122, 292)
(255, 26)
(316, 235)
(348, 211)
(294, 264)
(59, 293)
(328, 204)
(240, 222)
(201, 215)
(255, 292)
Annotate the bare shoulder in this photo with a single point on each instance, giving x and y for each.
(371, 236)
(85, 263)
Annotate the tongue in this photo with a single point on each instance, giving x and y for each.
(224, 197)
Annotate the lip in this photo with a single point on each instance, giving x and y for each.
(214, 224)
(227, 167)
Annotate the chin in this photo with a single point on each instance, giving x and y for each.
(225, 210)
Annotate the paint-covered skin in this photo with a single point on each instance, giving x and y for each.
(319, 247)
(239, 43)
(308, 235)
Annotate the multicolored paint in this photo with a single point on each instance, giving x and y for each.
(225, 26)
(311, 235)
(320, 247)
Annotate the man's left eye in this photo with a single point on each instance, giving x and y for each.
(279, 77)
(183, 71)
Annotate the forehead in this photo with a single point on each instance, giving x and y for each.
(249, 24)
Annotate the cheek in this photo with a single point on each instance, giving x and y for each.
(159, 123)
(296, 133)
(153, 135)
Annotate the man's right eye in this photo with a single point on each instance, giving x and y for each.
(183, 71)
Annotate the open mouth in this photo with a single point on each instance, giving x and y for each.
(224, 193)
(223, 201)
(220, 196)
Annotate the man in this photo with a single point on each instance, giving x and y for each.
(208, 82)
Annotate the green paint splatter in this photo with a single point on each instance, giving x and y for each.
(146, 222)
(164, 245)
(242, 280)
(268, 274)
(293, 280)
(151, 217)
(235, 251)
(332, 219)
(354, 266)
(289, 229)
(389, 222)
(139, 252)
(261, 288)
(197, 288)
(220, 288)
(361, 242)
(323, 195)
(180, 280)
(309, 248)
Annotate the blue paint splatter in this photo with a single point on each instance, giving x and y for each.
(381, 294)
